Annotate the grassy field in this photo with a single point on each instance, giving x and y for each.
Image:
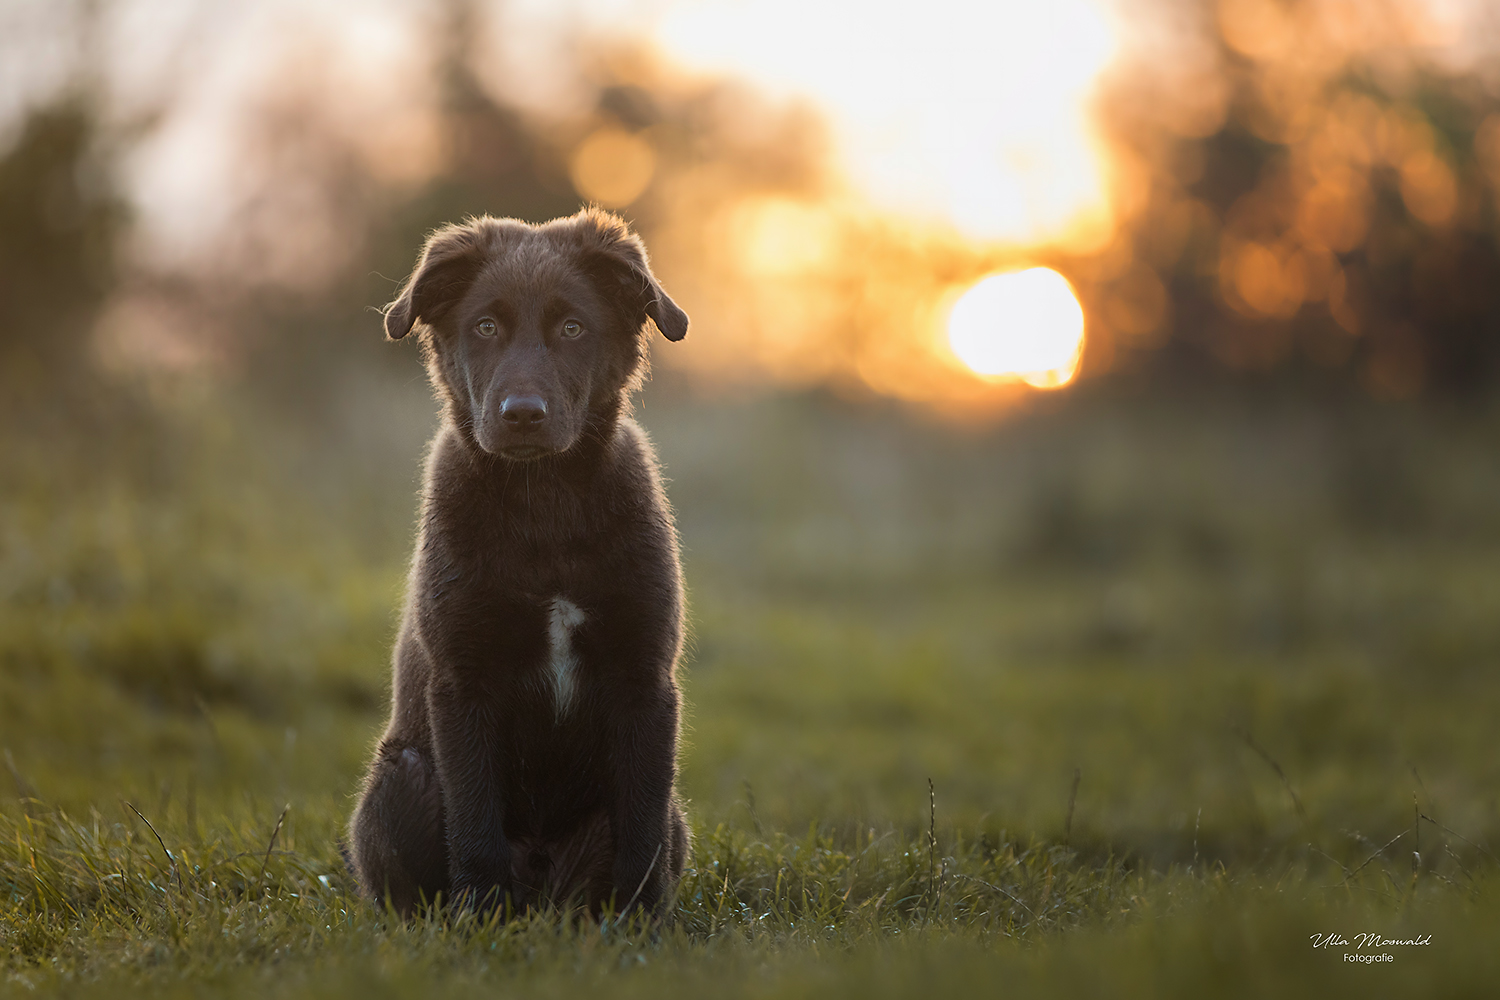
(1191, 680)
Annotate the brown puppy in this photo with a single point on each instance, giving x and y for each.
(532, 747)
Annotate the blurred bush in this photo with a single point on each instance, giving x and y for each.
(1312, 191)
(60, 223)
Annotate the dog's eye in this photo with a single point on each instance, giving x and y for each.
(571, 329)
(486, 327)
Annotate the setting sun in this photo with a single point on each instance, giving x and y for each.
(1024, 325)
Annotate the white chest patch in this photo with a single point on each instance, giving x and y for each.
(562, 662)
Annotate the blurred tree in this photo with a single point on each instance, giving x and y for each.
(60, 220)
(61, 223)
(1339, 213)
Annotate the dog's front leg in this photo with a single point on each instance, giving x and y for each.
(464, 737)
(645, 767)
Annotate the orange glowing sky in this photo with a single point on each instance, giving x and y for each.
(968, 116)
(953, 120)
(969, 113)
(959, 117)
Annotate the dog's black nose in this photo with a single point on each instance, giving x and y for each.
(524, 413)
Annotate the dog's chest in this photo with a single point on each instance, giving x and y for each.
(560, 674)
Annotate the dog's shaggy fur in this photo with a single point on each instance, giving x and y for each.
(532, 747)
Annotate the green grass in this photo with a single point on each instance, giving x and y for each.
(1263, 635)
(97, 905)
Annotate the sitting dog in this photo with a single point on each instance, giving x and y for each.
(532, 747)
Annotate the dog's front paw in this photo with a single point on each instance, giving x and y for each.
(639, 887)
(481, 888)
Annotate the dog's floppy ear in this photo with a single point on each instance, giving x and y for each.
(449, 262)
(619, 258)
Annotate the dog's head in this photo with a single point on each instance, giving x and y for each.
(533, 333)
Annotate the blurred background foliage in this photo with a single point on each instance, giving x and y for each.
(1321, 212)
(1301, 189)
(1261, 525)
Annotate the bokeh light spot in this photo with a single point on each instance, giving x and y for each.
(1024, 325)
(612, 167)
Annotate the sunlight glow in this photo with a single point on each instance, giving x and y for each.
(1024, 325)
(783, 237)
(969, 113)
(612, 167)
